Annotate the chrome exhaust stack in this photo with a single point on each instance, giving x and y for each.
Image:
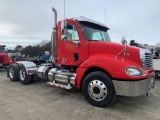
(54, 38)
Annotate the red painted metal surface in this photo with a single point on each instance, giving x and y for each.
(66, 50)
(4, 58)
(104, 55)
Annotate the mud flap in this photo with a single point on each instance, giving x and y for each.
(7, 71)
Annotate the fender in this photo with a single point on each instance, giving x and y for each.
(112, 65)
(115, 67)
(106, 62)
(31, 67)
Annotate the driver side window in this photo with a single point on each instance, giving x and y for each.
(72, 33)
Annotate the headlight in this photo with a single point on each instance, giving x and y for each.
(133, 71)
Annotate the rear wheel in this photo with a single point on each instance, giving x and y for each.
(13, 72)
(98, 89)
(23, 77)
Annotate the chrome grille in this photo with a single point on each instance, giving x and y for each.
(1, 59)
(148, 60)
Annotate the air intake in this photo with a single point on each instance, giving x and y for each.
(148, 60)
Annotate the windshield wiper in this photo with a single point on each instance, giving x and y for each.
(101, 35)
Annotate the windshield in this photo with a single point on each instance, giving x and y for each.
(2, 50)
(94, 32)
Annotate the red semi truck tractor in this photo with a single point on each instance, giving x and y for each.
(85, 58)
(5, 60)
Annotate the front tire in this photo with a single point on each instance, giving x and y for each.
(98, 89)
(23, 77)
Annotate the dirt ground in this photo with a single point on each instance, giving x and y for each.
(38, 101)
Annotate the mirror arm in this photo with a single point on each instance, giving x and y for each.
(65, 30)
(77, 42)
(64, 38)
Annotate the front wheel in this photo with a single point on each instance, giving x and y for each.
(98, 89)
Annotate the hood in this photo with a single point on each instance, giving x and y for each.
(114, 49)
(3, 54)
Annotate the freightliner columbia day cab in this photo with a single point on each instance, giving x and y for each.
(85, 58)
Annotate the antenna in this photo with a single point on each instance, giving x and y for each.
(64, 9)
(105, 16)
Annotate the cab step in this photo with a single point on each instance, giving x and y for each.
(68, 87)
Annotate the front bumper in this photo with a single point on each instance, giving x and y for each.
(134, 88)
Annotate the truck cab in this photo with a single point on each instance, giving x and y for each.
(85, 58)
(79, 38)
(5, 60)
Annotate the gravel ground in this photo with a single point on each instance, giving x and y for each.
(38, 101)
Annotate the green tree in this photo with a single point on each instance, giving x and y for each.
(18, 48)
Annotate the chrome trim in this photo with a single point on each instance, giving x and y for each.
(97, 90)
(146, 58)
(73, 80)
(40, 71)
(22, 74)
(54, 38)
(45, 72)
(51, 74)
(11, 73)
(134, 88)
(61, 76)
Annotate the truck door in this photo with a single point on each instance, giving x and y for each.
(69, 50)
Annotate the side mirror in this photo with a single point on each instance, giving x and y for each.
(64, 30)
(123, 41)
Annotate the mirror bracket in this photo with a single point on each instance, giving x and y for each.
(64, 38)
(124, 41)
(77, 42)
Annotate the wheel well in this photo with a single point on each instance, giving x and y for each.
(93, 69)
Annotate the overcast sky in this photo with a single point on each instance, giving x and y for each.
(30, 21)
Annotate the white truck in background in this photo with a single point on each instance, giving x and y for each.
(155, 51)
(156, 65)
(156, 60)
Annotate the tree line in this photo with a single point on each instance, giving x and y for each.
(31, 50)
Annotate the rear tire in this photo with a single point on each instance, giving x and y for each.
(23, 77)
(98, 89)
(13, 72)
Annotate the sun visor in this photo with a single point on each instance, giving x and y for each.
(81, 18)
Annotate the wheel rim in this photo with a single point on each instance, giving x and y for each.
(11, 72)
(97, 90)
(22, 74)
